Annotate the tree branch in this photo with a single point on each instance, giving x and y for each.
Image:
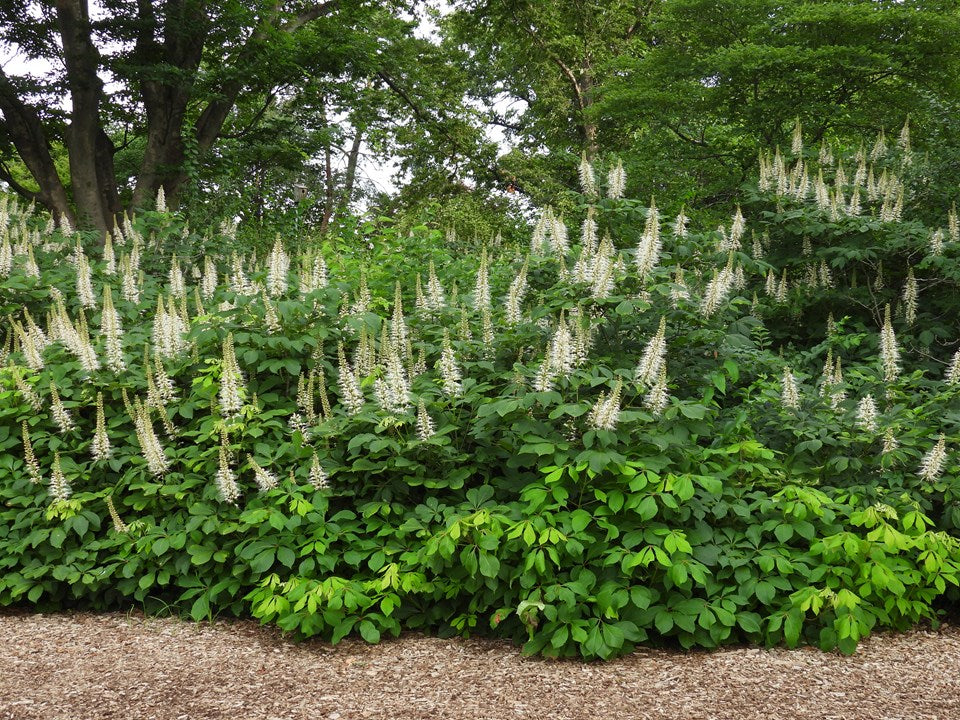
(424, 117)
(554, 58)
(309, 15)
(24, 192)
(256, 118)
(686, 138)
(643, 12)
(211, 120)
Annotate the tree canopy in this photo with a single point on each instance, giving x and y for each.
(225, 106)
(182, 75)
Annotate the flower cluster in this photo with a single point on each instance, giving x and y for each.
(449, 370)
(616, 181)
(265, 480)
(169, 328)
(867, 414)
(481, 292)
(278, 265)
(789, 392)
(606, 410)
(59, 487)
(932, 465)
(889, 352)
(518, 289)
(100, 447)
(650, 245)
(29, 458)
(318, 476)
(425, 428)
(225, 479)
(150, 446)
(61, 416)
(350, 394)
(588, 181)
(231, 394)
(654, 357)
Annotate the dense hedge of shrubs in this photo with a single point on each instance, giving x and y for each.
(630, 431)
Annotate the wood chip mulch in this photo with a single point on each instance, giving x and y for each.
(100, 667)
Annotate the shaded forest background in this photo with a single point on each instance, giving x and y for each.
(280, 113)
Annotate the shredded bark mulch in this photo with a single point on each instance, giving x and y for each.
(99, 667)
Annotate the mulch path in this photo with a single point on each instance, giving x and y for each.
(100, 667)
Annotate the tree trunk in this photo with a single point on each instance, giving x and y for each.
(26, 131)
(165, 73)
(329, 190)
(90, 150)
(351, 174)
(165, 102)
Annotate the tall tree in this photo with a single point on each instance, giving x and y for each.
(176, 71)
(539, 69)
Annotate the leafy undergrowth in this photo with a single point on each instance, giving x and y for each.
(580, 449)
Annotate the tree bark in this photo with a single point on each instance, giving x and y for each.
(351, 174)
(90, 149)
(165, 101)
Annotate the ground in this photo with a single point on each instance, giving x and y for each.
(101, 667)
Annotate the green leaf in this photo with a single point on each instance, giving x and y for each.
(286, 556)
(809, 446)
(489, 565)
(79, 524)
(719, 382)
(612, 636)
(200, 554)
(749, 622)
(765, 592)
(560, 637)
(569, 409)
(263, 561)
(664, 622)
(732, 369)
(783, 532)
(847, 645)
(694, 412)
(57, 536)
(342, 629)
(369, 632)
(712, 485)
(641, 597)
(200, 609)
(792, 627)
(647, 509)
(579, 519)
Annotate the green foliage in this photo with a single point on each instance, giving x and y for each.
(722, 80)
(527, 466)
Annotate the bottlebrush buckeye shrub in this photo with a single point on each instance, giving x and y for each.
(631, 430)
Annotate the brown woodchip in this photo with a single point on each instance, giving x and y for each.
(80, 666)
